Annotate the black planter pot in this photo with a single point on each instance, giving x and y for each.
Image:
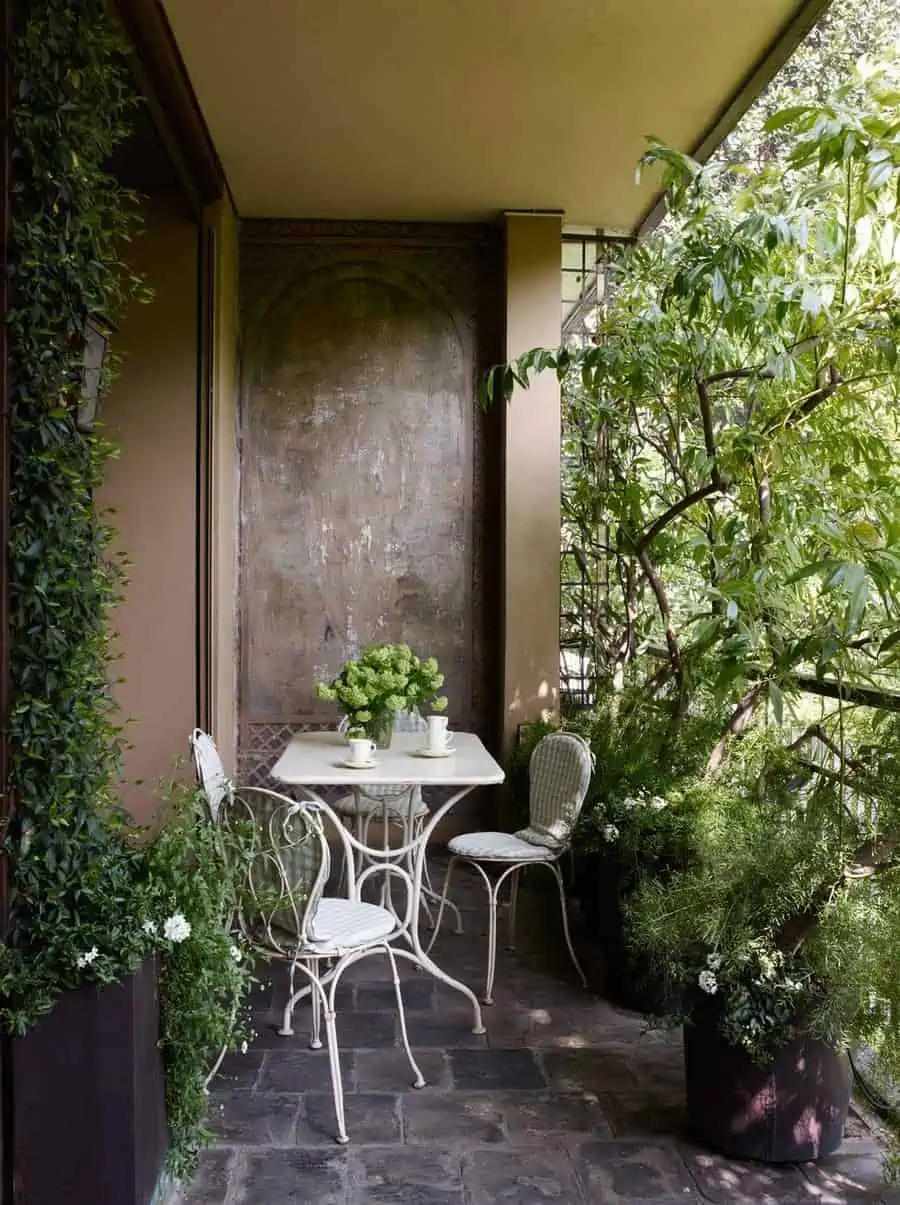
(791, 1110)
(602, 883)
(89, 1124)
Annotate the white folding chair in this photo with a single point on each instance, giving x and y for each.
(316, 936)
(559, 777)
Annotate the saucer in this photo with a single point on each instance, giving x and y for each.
(447, 751)
(358, 765)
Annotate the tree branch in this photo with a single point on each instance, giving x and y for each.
(876, 856)
(735, 374)
(739, 720)
(866, 696)
(817, 732)
(709, 437)
(667, 517)
(828, 387)
(662, 602)
(659, 446)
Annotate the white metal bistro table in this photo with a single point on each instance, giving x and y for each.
(313, 759)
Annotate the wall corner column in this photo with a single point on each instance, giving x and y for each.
(224, 484)
(532, 478)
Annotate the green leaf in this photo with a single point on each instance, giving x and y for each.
(784, 117)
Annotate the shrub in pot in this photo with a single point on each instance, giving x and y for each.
(123, 992)
(782, 936)
(634, 826)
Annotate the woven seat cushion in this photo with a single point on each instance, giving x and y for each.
(498, 847)
(343, 924)
(395, 805)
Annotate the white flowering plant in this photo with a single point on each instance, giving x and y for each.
(641, 826)
(196, 878)
(384, 679)
(171, 896)
(787, 919)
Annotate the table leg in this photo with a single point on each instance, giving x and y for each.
(414, 850)
(421, 956)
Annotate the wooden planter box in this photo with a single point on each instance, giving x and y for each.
(792, 1109)
(617, 972)
(89, 1125)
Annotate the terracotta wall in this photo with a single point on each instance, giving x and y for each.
(152, 414)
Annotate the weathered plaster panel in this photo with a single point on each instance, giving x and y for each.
(360, 513)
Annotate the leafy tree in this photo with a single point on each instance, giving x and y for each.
(848, 31)
(742, 391)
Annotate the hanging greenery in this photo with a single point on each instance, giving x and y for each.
(70, 220)
(89, 896)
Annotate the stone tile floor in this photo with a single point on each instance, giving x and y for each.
(567, 1099)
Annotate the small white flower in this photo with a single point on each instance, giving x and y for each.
(177, 928)
(811, 301)
(658, 803)
(714, 961)
(236, 953)
(85, 960)
(149, 927)
(708, 982)
(629, 804)
(610, 832)
(243, 1047)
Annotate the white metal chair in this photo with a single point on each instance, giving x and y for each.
(559, 777)
(400, 804)
(322, 936)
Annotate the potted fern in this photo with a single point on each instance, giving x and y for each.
(781, 936)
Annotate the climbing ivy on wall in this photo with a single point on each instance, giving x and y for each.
(69, 863)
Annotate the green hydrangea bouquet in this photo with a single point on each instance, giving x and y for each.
(387, 678)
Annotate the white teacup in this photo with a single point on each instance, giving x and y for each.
(362, 750)
(438, 734)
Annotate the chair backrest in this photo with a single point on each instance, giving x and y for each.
(410, 721)
(291, 866)
(559, 776)
(292, 832)
(210, 772)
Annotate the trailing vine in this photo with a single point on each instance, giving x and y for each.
(90, 896)
(68, 859)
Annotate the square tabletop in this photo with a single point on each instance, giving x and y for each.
(314, 759)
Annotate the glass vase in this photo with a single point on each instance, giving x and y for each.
(380, 729)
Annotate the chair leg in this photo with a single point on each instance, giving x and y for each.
(419, 1081)
(295, 994)
(494, 890)
(557, 874)
(443, 903)
(513, 904)
(429, 893)
(315, 1041)
(334, 1064)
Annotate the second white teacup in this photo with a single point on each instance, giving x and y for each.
(438, 733)
(362, 750)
